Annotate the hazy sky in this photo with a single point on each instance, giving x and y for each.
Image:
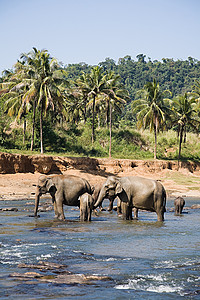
(88, 31)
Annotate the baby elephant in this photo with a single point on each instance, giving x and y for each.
(86, 206)
(179, 203)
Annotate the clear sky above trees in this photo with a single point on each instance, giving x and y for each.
(91, 30)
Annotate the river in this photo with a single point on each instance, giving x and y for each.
(144, 259)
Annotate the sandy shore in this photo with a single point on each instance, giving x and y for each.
(22, 185)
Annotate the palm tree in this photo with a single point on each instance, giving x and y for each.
(45, 86)
(13, 90)
(196, 94)
(96, 85)
(82, 84)
(116, 97)
(151, 108)
(184, 114)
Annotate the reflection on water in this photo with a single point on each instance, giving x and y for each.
(146, 259)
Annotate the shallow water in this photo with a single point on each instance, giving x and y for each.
(143, 258)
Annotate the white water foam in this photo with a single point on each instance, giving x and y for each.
(164, 289)
(193, 279)
(150, 283)
(172, 265)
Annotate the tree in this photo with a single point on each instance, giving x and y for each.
(196, 94)
(184, 114)
(82, 84)
(116, 96)
(151, 109)
(46, 82)
(13, 94)
(95, 84)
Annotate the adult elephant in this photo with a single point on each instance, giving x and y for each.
(135, 192)
(64, 189)
(179, 203)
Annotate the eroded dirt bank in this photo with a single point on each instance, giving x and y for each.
(18, 173)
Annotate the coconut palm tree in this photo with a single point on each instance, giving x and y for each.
(116, 97)
(13, 90)
(82, 85)
(96, 85)
(196, 95)
(151, 108)
(46, 83)
(184, 109)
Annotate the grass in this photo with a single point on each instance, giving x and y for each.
(127, 143)
(190, 182)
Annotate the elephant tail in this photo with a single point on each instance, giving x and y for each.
(88, 188)
(164, 199)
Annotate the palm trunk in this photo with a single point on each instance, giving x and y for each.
(110, 131)
(85, 110)
(33, 128)
(41, 135)
(180, 143)
(178, 132)
(155, 137)
(185, 135)
(99, 119)
(107, 114)
(24, 131)
(93, 107)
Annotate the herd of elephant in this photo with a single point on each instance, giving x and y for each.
(132, 192)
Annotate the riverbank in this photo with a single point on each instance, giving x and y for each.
(19, 173)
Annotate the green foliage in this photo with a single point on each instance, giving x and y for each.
(126, 143)
(79, 102)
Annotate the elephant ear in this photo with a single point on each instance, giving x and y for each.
(49, 183)
(118, 188)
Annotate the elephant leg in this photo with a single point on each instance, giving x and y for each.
(160, 214)
(89, 214)
(177, 210)
(135, 211)
(54, 206)
(130, 217)
(110, 206)
(55, 210)
(86, 215)
(119, 208)
(126, 211)
(81, 215)
(59, 204)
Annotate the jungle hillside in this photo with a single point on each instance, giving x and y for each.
(133, 108)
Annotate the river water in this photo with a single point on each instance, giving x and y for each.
(143, 258)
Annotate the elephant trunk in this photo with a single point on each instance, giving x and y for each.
(100, 198)
(37, 199)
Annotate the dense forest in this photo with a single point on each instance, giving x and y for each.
(177, 76)
(100, 110)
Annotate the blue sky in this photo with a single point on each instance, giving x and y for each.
(89, 31)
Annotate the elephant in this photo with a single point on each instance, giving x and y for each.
(86, 206)
(64, 189)
(179, 203)
(135, 192)
(95, 194)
